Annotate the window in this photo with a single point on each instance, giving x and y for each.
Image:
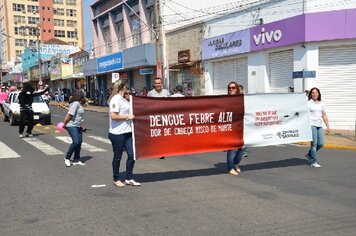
(18, 7)
(71, 23)
(57, 1)
(71, 2)
(34, 31)
(71, 12)
(19, 31)
(32, 42)
(59, 33)
(32, 0)
(58, 22)
(33, 20)
(18, 53)
(72, 34)
(19, 20)
(58, 11)
(33, 9)
(20, 42)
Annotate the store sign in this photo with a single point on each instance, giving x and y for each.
(277, 34)
(146, 71)
(226, 45)
(110, 63)
(184, 56)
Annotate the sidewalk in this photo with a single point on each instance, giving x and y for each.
(337, 139)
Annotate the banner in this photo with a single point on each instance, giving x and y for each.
(177, 126)
(272, 119)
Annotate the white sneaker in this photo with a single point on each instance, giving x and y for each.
(67, 162)
(29, 135)
(21, 135)
(78, 163)
(315, 165)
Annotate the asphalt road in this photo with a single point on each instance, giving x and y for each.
(277, 193)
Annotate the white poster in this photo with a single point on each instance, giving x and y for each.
(272, 119)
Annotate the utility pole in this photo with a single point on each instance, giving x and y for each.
(39, 54)
(158, 29)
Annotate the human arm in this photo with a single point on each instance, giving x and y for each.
(67, 118)
(326, 121)
(41, 92)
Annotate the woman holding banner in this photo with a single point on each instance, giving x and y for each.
(120, 134)
(234, 156)
(317, 116)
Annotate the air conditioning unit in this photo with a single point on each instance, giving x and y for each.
(15, 23)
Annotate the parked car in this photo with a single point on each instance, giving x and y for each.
(11, 109)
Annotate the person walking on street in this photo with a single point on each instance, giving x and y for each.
(73, 123)
(26, 113)
(233, 157)
(317, 116)
(120, 134)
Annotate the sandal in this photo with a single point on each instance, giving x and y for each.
(132, 182)
(237, 168)
(233, 172)
(119, 184)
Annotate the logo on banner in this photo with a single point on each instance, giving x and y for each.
(288, 134)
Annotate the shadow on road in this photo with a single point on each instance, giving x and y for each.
(218, 169)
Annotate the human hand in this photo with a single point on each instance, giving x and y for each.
(327, 131)
(130, 117)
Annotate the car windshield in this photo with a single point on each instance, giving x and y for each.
(38, 99)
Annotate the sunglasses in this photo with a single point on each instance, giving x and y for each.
(233, 87)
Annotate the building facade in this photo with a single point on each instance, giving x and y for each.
(25, 22)
(124, 44)
(277, 50)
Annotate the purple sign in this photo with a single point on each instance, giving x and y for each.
(277, 34)
(225, 45)
(330, 25)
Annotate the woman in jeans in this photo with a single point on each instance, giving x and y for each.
(317, 116)
(73, 124)
(234, 156)
(120, 134)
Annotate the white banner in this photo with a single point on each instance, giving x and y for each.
(272, 119)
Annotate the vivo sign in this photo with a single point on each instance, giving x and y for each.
(267, 37)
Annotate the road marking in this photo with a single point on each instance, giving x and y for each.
(86, 146)
(7, 152)
(43, 147)
(101, 139)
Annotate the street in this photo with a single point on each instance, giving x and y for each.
(277, 193)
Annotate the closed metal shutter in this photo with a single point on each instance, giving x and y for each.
(337, 84)
(139, 81)
(227, 71)
(281, 71)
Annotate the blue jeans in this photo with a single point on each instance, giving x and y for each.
(317, 143)
(234, 157)
(76, 134)
(119, 142)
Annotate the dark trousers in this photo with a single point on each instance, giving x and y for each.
(119, 142)
(26, 115)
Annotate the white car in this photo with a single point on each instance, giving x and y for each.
(11, 110)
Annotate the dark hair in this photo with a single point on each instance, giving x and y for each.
(77, 95)
(310, 93)
(241, 87)
(237, 87)
(179, 88)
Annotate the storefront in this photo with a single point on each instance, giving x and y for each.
(186, 72)
(291, 55)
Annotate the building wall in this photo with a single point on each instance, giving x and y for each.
(45, 14)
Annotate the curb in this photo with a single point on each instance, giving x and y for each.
(331, 146)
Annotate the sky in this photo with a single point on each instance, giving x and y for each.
(87, 25)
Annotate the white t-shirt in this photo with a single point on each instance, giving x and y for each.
(119, 105)
(316, 110)
(154, 93)
(76, 111)
(177, 95)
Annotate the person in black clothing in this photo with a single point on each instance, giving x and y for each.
(25, 100)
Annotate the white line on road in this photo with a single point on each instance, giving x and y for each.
(43, 147)
(101, 139)
(86, 146)
(6, 152)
